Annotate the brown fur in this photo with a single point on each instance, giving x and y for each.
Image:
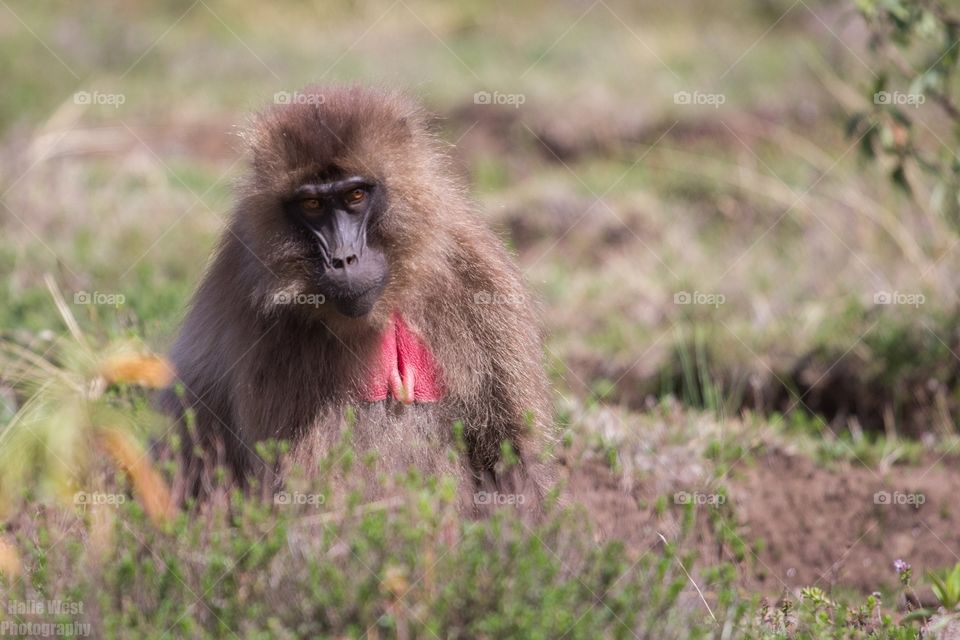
(254, 370)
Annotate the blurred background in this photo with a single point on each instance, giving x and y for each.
(740, 217)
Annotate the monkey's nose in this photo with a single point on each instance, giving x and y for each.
(343, 263)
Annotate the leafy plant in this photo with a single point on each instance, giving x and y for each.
(73, 412)
(946, 586)
(913, 119)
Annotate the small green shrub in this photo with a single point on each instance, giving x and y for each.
(946, 586)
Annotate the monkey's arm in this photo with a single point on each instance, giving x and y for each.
(204, 357)
(518, 424)
(511, 406)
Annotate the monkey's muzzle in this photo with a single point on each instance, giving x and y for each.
(354, 272)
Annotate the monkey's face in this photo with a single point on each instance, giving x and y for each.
(336, 217)
(343, 199)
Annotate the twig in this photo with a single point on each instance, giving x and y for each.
(370, 507)
(686, 573)
(64, 310)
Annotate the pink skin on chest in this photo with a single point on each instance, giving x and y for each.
(404, 369)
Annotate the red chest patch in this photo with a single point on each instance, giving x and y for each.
(404, 368)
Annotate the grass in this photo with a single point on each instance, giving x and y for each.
(410, 567)
(615, 198)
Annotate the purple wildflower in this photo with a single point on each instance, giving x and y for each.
(904, 571)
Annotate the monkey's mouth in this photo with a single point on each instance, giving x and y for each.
(356, 305)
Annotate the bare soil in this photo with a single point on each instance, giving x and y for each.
(839, 526)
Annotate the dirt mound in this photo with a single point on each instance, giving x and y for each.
(901, 380)
(572, 133)
(842, 526)
(848, 524)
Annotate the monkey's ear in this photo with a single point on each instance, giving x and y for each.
(257, 148)
(255, 134)
(269, 141)
(413, 122)
(406, 127)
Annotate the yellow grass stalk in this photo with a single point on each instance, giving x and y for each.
(147, 483)
(10, 565)
(144, 370)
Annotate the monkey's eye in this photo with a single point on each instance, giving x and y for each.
(355, 196)
(310, 204)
